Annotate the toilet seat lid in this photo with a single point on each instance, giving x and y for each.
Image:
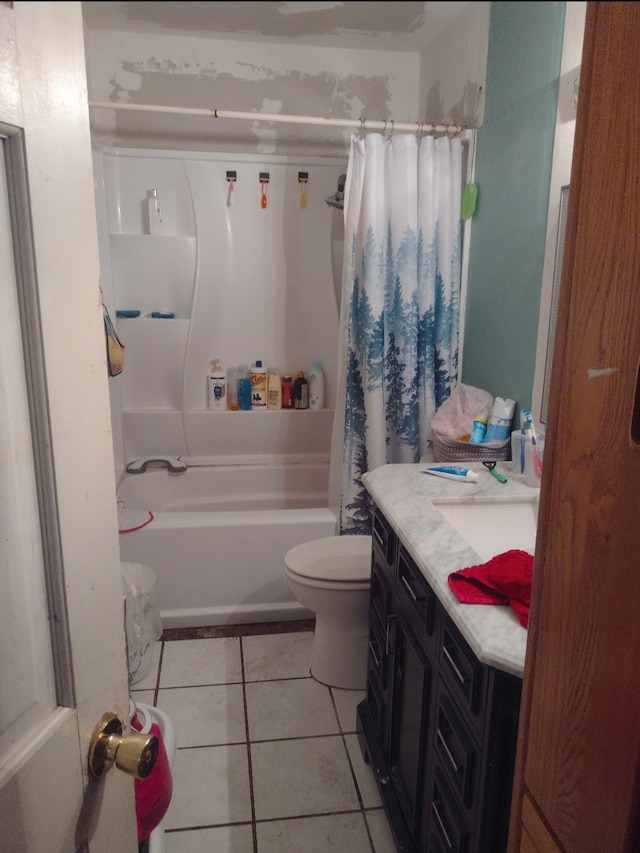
(333, 558)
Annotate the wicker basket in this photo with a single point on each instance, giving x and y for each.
(448, 450)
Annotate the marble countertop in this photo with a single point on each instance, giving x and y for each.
(405, 495)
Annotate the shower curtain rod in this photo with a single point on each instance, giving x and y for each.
(363, 124)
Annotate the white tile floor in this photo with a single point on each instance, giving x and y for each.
(268, 760)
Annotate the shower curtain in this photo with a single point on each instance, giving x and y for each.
(400, 308)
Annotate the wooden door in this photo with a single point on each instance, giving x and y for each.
(62, 641)
(577, 776)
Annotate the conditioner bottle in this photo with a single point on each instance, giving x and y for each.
(316, 386)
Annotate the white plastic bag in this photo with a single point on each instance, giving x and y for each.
(454, 419)
(143, 625)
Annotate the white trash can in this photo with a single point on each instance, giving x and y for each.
(143, 625)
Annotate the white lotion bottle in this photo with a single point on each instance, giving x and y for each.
(316, 386)
(217, 387)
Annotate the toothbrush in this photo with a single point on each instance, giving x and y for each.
(531, 432)
(523, 435)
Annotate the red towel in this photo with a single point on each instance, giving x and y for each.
(504, 579)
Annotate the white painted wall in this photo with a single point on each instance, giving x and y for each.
(238, 75)
(453, 70)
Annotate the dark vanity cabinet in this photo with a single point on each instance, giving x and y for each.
(438, 726)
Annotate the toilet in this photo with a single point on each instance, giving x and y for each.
(332, 578)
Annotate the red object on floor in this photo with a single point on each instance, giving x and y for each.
(504, 579)
(153, 794)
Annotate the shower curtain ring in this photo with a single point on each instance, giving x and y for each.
(420, 130)
(362, 128)
(391, 131)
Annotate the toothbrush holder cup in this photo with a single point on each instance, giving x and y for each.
(523, 457)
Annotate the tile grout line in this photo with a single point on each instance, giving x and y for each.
(353, 772)
(254, 830)
(156, 689)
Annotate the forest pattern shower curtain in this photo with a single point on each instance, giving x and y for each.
(400, 304)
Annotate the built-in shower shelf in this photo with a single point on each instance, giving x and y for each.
(285, 412)
(153, 272)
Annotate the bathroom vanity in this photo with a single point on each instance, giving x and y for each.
(440, 718)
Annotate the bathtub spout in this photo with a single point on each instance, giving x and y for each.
(139, 466)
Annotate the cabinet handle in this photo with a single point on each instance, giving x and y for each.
(447, 750)
(372, 650)
(379, 538)
(387, 640)
(447, 654)
(434, 808)
(407, 585)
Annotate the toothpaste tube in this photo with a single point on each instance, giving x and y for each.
(453, 472)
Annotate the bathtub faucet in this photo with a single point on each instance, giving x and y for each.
(139, 466)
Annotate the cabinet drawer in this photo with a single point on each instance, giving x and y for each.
(378, 651)
(377, 708)
(381, 591)
(383, 537)
(417, 595)
(456, 751)
(448, 831)
(465, 674)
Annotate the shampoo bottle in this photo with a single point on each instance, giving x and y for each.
(217, 386)
(316, 386)
(258, 387)
(274, 389)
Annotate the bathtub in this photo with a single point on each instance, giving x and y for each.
(219, 536)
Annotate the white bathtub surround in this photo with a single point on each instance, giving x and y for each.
(243, 283)
(219, 536)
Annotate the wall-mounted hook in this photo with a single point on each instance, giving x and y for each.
(231, 180)
(303, 178)
(264, 180)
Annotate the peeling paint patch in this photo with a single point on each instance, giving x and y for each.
(126, 81)
(596, 373)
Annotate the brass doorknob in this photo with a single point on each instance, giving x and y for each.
(134, 753)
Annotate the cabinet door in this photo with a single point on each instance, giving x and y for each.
(411, 710)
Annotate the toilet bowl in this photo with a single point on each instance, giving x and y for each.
(331, 577)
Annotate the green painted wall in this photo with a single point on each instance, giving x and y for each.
(513, 172)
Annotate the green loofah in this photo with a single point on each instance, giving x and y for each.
(469, 199)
